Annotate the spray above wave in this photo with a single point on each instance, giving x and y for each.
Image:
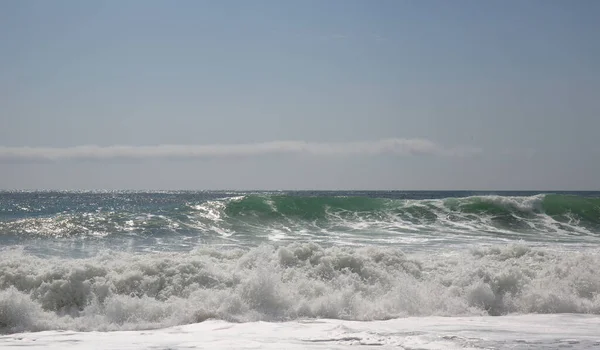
(301, 280)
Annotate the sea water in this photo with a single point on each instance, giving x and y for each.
(412, 270)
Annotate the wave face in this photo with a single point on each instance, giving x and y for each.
(501, 212)
(184, 220)
(301, 280)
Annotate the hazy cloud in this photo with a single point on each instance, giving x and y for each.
(97, 153)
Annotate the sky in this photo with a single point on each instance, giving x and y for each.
(306, 94)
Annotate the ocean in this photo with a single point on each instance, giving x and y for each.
(299, 270)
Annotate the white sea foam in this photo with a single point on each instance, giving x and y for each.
(126, 291)
(534, 332)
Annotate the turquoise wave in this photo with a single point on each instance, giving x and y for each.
(255, 213)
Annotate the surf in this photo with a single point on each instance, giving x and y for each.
(129, 291)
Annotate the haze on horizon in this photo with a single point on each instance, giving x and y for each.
(300, 94)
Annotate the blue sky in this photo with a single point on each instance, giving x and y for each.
(256, 94)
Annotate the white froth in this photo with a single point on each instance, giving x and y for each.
(125, 291)
(534, 332)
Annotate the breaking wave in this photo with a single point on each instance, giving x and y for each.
(125, 291)
(280, 217)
